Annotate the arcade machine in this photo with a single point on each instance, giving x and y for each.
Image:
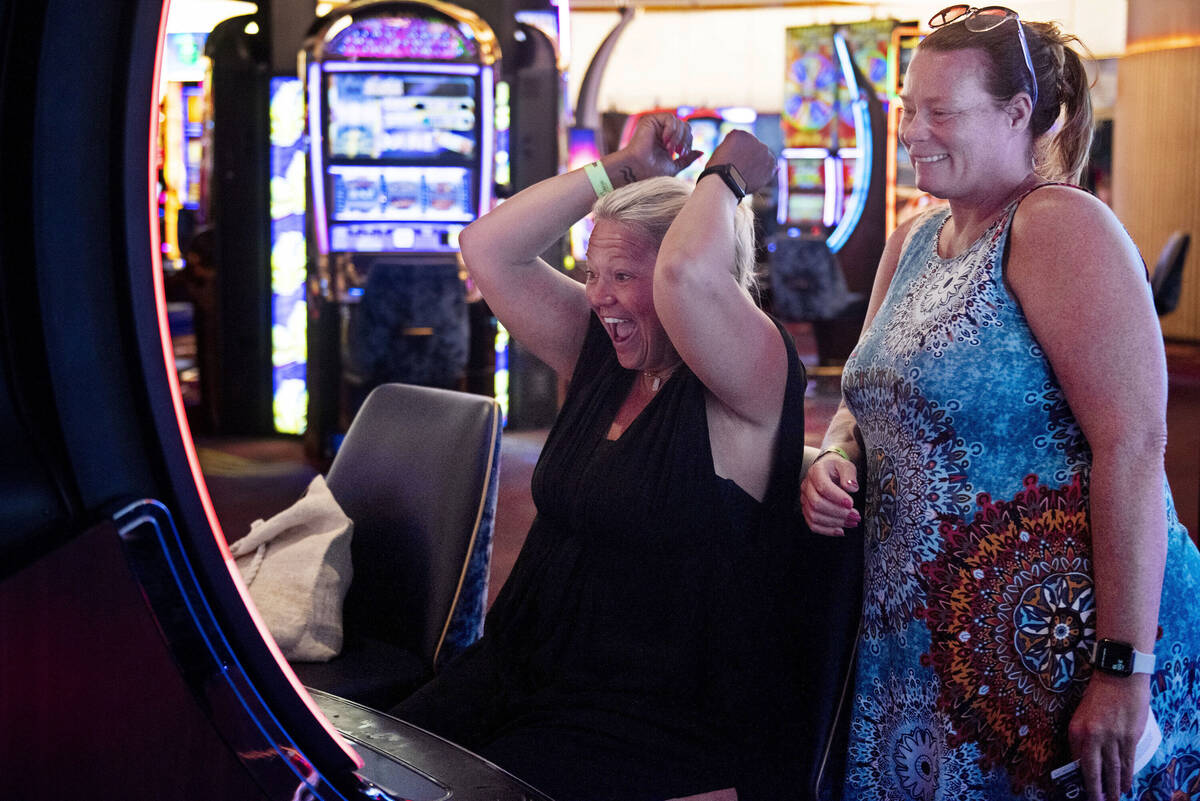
(180, 146)
(401, 125)
(121, 611)
(182, 128)
(289, 255)
(831, 180)
(903, 197)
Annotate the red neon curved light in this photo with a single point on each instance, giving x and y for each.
(185, 431)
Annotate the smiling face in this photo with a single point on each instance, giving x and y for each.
(960, 139)
(620, 289)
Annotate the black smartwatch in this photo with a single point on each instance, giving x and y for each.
(730, 175)
(1120, 659)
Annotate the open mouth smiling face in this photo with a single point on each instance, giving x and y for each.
(620, 290)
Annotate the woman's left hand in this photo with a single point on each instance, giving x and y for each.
(752, 158)
(1104, 732)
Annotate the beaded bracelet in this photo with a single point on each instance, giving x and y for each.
(596, 173)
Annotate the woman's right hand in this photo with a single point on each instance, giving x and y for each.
(661, 145)
(825, 495)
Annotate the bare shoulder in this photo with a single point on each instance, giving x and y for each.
(899, 236)
(895, 245)
(1057, 200)
(1061, 229)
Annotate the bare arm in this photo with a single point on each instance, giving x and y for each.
(1083, 289)
(543, 309)
(825, 490)
(726, 340)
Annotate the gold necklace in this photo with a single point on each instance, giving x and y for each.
(656, 379)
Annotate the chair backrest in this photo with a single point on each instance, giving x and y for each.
(1167, 280)
(805, 278)
(416, 473)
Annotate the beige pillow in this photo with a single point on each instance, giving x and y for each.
(297, 567)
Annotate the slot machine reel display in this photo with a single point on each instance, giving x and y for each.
(401, 122)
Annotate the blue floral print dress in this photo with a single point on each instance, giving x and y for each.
(978, 605)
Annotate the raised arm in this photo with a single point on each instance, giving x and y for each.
(826, 488)
(545, 310)
(1083, 289)
(726, 340)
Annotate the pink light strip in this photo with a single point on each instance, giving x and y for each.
(185, 431)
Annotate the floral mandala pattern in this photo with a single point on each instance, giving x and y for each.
(1174, 688)
(979, 605)
(1011, 618)
(916, 473)
(905, 754)
(1062, 430)
(1178, 780)
(950, 302)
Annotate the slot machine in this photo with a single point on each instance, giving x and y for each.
(832, 180)
(401, 124)
(121, 609)
(903, 197)
(179, 153)
(833, 128)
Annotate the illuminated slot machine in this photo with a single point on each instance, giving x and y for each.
(803, 184)
(707, 133)
(180, 129)
(832, 179)
(401, 122)
(903, 197)
(832, 119)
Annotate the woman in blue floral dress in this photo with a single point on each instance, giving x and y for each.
(1007, 401)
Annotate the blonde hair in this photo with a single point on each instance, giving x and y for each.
(651, 206)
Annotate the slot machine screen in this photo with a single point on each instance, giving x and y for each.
(392, 115)
(849, 166)
(806, 208)
(706, 135)
(806, 174)
(379, 192)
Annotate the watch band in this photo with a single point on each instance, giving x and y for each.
(1143, 662)
(1120, 658)
(725, 171)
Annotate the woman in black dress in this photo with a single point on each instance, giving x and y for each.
(640, 648)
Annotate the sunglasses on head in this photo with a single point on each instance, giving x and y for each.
(978, 20)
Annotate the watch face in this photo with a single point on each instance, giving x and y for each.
(1114, 657)
(737, 176)
(730, 175)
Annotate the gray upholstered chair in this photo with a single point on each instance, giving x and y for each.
(417, 473)
(1167, 280)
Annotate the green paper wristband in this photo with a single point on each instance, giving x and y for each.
(601, 185)
(836, 450)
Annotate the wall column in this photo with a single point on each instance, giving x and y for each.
(1156, 163)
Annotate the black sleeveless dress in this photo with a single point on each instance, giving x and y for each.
(640, 648)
